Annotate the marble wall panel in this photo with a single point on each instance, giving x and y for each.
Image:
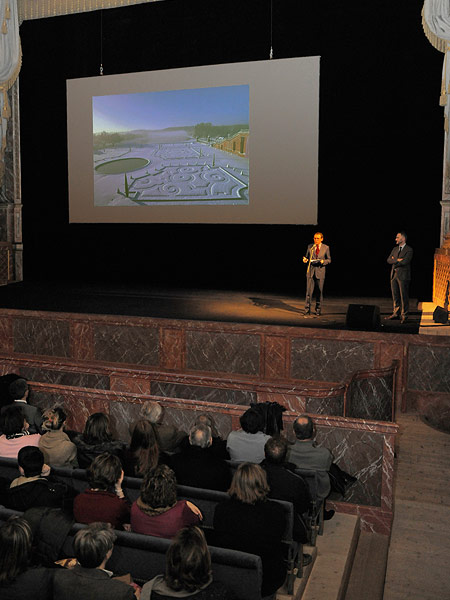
(82, 341)
(77, 409)
(223, 352)
(126, 344)
(434, 409)
(275, 357)
(6, 334)
(372, 520)
(124, 414)
(129, 385)
(429, 368)
(172, 349)
(371, 398)
(41, 336)
(61, 377)
(325, 406)
(203, 393)
(329, 360)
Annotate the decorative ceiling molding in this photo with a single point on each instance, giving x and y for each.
(41, 9)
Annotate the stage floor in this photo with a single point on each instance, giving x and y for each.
(205, 305)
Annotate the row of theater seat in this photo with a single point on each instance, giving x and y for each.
(134, 552)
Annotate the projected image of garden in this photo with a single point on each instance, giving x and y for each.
(180, 147)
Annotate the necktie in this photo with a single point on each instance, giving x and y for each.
(317, 250)
(399, 251)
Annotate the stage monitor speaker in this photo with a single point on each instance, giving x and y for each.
(440, 315)
(363, 316)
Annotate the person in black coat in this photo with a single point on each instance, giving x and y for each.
(17, 578)
(197, 466)
(251, 523)
(285, 484)
(35, 486)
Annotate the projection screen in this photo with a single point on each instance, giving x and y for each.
(233, 143)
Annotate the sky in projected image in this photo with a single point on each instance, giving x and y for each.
(180, 147)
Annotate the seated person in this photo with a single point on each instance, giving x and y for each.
(89, 579)
(104, 500)
(15, 432)
(247, 444)
(143, 453)
(285, 484)
(17, 578)
(58, 449)
(306, 454)
(195, 465)
(35, 487)
(218, 446)
(96, 439)
(169, 437)
(5, 382)
(19, 392)
(188, 571)
(157, 511)
(249, 522)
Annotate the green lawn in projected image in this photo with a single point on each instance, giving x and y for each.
(151, 156)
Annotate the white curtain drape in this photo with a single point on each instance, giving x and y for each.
(10, 63)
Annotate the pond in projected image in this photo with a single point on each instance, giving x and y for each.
(182, 147)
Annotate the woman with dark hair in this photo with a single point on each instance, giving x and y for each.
(104, 500)
(247, 444)
(17, 578)
(249, 522)
(157, 511)
(143, 453)
(59, 451)
(15, 432)
(188, 571)
(96, 439)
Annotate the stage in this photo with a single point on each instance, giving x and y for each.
(235, 306)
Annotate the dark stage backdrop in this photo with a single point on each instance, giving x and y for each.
(380, 144)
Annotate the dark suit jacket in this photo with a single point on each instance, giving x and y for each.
(89, 584)
(324, 254)
(200, 467)
(401, 270)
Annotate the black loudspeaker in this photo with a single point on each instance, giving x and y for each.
(363, 316)
(440, 315)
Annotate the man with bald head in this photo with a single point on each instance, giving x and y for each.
(197, 466)
(306, 454)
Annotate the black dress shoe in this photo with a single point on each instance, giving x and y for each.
(328, 514)
(318, 312)
(307, 560)
(307, 310)
(392, 317)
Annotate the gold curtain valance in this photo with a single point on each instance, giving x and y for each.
(40, 9)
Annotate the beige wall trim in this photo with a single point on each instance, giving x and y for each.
(40, 9)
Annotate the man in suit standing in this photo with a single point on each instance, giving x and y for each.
(400, 259)
(317, 256)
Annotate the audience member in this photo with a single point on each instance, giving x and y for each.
(247, 444)
(58, 449)
(195, 465)
(104, 500)
(5, 382)
(188, 571)
(19, 392)
(306, 454)
(143, 453)
(249, 522)
(285, 484)
(169, 437)
(96, 439)
(219, 445)
(17, 578)
(35, 487)
(89, 579)
(15, 432)
(157, 511)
